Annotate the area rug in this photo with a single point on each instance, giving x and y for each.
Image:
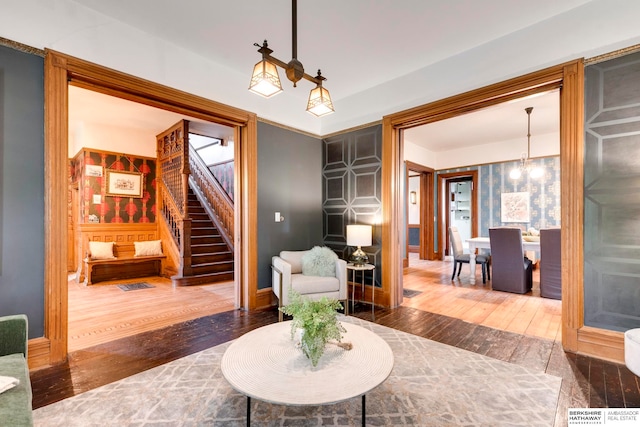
(410, 293)
(432, 384)
(135, 286)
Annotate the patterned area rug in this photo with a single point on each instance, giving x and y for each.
(135, 286)
(432, 384)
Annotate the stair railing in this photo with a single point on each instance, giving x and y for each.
(214, 199)
(173, 188)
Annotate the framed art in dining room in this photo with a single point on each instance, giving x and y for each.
(514, 207)
(124, 184)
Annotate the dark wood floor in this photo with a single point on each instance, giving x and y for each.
(587, 382)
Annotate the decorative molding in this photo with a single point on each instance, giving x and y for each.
(612, 55)
(21, 47)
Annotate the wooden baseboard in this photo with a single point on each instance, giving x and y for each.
(265, 298)
(601, 344)
(38, 351)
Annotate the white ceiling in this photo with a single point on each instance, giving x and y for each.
(358, 44)
(379, 57)
(502, 122)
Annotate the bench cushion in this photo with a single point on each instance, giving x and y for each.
(101, 250)
(15, 404)
(148, 248)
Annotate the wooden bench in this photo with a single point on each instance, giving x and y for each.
(125, 265)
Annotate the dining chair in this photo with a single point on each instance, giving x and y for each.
(512, 271)
(550, 265)
(459, 257)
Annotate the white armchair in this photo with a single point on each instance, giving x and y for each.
(287, 274)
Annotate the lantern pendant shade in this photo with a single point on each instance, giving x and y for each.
(319, 102)
(265, 80)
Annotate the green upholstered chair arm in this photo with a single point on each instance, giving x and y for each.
(13, 334)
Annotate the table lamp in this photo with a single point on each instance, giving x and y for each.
(359, 235)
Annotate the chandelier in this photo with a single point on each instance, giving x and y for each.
(525, 166)
(265, 80)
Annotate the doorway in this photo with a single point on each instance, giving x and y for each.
(458, 198)
(419, 208)
(60, 71)
(569, 78)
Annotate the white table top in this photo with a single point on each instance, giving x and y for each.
(351, 266)
(485, 243)
(265, 364)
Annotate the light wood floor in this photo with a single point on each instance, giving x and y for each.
(527, 314)
(103, 312)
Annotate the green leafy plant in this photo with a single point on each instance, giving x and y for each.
(317, 319)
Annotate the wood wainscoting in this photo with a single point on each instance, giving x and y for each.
(119, 233)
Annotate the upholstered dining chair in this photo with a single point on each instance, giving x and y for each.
(550, 265)
(512, 272)
(459, 257)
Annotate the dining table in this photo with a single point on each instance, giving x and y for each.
(528, 244)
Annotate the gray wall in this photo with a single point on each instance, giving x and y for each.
(289, 182)
(22, 187)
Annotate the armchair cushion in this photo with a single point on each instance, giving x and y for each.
(319, 261)
(294, 259)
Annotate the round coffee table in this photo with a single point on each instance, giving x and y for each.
(265, 364)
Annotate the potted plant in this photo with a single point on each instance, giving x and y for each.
(317, 321)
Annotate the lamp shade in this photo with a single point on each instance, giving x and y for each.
(265, 80)
(319, 102)
(359, 235)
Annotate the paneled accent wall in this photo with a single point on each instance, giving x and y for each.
(351, 174)
(89, 167)
(612, 194)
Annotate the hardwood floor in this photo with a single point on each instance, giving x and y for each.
(527, 314)
(103, 312)
(587, 382)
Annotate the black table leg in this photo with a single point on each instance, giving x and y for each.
(248, 411)
(363, 411)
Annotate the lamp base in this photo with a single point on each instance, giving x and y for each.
(359, 257)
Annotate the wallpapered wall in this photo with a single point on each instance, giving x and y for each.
(544, 194)
(223, 172)
(114, 209)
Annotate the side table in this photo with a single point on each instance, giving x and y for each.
(363, 268)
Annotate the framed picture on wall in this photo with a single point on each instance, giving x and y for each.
(124, 184)
(514, 207)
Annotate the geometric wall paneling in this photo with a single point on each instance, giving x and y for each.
(336, 187)
(336, 153)
(612, 194)
(352, 172)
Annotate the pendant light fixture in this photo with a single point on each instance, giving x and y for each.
(525, 166)
(265, 80)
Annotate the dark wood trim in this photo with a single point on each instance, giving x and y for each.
(61, 70)
(427, 230)
(569, 78)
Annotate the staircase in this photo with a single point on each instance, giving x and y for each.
(211, 259)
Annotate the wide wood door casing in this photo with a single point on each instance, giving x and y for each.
(62, 70)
